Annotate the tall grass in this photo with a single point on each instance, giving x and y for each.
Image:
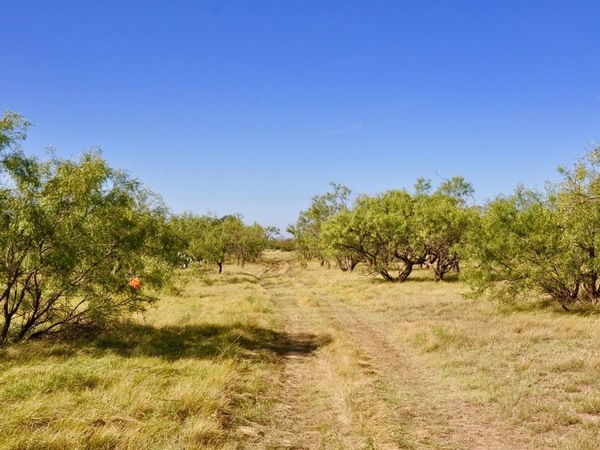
(202, 369)
(187, 374)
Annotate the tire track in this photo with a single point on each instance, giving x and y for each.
(389, 400)
(451, 422)
(318, 400)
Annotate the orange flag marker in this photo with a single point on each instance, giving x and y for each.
(135, 283)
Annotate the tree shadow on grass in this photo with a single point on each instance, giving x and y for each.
(207, 342)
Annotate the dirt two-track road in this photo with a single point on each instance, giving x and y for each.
(347, 383)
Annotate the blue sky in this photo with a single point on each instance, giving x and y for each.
(253, 107)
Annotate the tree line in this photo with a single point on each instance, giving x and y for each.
(74, 234)
(529, 244)
(214, 240)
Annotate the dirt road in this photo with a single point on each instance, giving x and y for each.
(347, 384)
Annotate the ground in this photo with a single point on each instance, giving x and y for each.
(350, 385)
(281, 354)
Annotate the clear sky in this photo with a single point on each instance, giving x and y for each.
(253, 107)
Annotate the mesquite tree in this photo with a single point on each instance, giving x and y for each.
(395, 231)
(215, 239)
(72, 234)
(542, 243)
(441, 221)
(381, 229)
(307, 230)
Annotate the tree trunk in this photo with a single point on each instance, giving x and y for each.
(590, 286)
(385, 274)
(6, 324)
(405, 272)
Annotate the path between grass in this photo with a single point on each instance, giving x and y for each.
(350, 386)
(281, 356)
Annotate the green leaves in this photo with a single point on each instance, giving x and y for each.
(547, 244)
(213, 239)
(73, 234)
(13, 129)
(307, 230)
(395, 231)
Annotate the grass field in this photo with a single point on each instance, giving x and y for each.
(278, 355)
(185, 375)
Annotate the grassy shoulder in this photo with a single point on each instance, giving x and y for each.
(190, 373)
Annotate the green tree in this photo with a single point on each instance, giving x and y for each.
(395, 225)
(253, 241)
(72, 234)
(213, 239)
(341, 240)
(543, 243)
(206, 240)
(441, 221)
(13, 129)
(521, 247)
(307, 230)
(395, 231)
(577, 203)
(457, 188)
(380, 229)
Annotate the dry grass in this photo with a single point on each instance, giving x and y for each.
(540, 367)
(412, 365)
(186, 375)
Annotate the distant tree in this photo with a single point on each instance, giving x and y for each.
(422, 186)
(244, 242)
(284, 244)
(457, 188)
(207, 241)
(196, 236)
(254, 240)
(307, 230)
(213, 239)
